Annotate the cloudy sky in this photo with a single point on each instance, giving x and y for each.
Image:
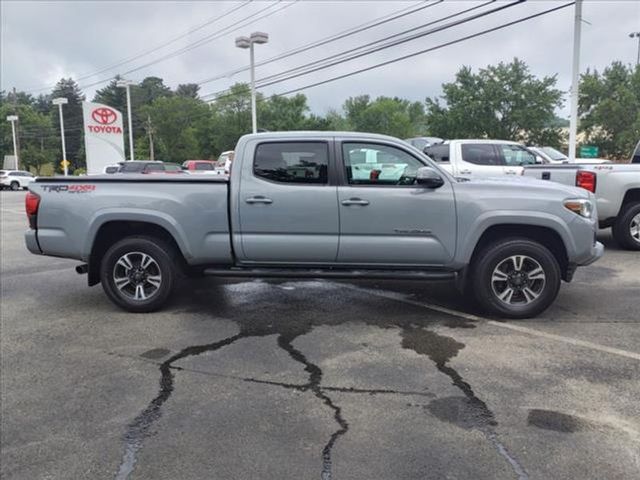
(93, 40)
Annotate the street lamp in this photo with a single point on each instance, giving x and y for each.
(13, 119)
(126, 84)
(59, 102)
(247, 42)
(636, 35)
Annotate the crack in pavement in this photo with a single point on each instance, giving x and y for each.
(438, 348)
(315, 377)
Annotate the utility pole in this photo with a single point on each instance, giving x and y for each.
(573, 119)
(636, 35)
(17, 134)
(150, 131)
(126, 84)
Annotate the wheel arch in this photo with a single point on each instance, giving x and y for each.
(546, 236)
(113, 231)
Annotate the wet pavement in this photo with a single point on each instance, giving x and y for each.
(314, 379)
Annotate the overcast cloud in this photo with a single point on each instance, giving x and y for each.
(43, 41)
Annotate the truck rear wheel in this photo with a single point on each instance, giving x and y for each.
(138, 273)
(515, 278)
(626, 229)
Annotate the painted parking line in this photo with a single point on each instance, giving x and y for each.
(509, 326)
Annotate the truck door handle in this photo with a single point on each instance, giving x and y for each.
(355, 201)
(258, 199)
(465, 172)
(510, 172)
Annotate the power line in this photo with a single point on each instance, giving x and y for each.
(154, 49)
(421, 52)
(332, 38)
(322, 64)
(225, 31)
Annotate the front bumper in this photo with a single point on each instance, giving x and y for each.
(597, 250)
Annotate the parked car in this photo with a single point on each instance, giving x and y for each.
(225, 160)
(481, 158)
(617, 190)
(635, 158)
(294, 207)
(207, 167)
(423, 142)
(552, 156)
(149, 167)
(15, 179)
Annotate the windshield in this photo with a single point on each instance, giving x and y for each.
(553, 153)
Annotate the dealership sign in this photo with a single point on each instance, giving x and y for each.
(103, 136)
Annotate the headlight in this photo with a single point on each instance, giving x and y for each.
(581, 206)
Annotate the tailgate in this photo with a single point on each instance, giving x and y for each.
(565, 174)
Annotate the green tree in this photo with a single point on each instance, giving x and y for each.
(504, 101)
(73, 122)
(188, 90)
(391, 116)
(609, 109)
(231, 117)
(178, 124)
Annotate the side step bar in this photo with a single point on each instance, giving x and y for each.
(429, 275)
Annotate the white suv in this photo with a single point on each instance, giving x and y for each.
(15, 179)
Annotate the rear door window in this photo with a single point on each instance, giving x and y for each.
(130, 167)
(481, 154)
(154, 167)
(292, 162)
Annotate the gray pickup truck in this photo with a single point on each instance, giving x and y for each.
(617, 191)
(319, 205)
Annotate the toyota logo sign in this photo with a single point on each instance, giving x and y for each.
(104, 116)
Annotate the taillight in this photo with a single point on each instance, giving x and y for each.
(31, 203)
(586, 180)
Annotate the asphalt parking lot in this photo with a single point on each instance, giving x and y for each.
(314, 379)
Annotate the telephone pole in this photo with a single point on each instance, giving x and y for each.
(575, 82)
(150, 131)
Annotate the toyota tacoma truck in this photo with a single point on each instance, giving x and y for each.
(319, 205)
(617, 191)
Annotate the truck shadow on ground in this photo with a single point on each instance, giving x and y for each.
(290, 310)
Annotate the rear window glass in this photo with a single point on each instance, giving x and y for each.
(292, 162)
(439, 153)
(128, 167)
(204, 166)
(154, 167)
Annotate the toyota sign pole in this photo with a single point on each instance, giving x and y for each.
(126, 84)
(247, 42)
(13, 119)
(59, 102)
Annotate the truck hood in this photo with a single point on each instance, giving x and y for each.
(522, 186)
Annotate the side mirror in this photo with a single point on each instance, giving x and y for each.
(539, 160)
(428, 177)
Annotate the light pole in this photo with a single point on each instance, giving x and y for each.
(13, 119)
(573, 119)
(636, 35)
(126, 84)
(247, 42)
(59, 102)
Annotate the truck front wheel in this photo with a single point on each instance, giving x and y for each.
(626, 229)
(515, 278)
(137, 273)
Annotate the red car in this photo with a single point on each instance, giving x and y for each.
(200, 166)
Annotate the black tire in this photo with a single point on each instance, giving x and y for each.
(623, 225)
(15, 186)
(163, 256)
(501, 255)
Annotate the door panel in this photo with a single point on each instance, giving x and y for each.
(288, 212)
(387, 222)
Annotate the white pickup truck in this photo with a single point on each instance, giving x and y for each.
(617, 190)
(482, 158)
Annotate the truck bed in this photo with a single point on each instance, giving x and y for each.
(74, 210)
